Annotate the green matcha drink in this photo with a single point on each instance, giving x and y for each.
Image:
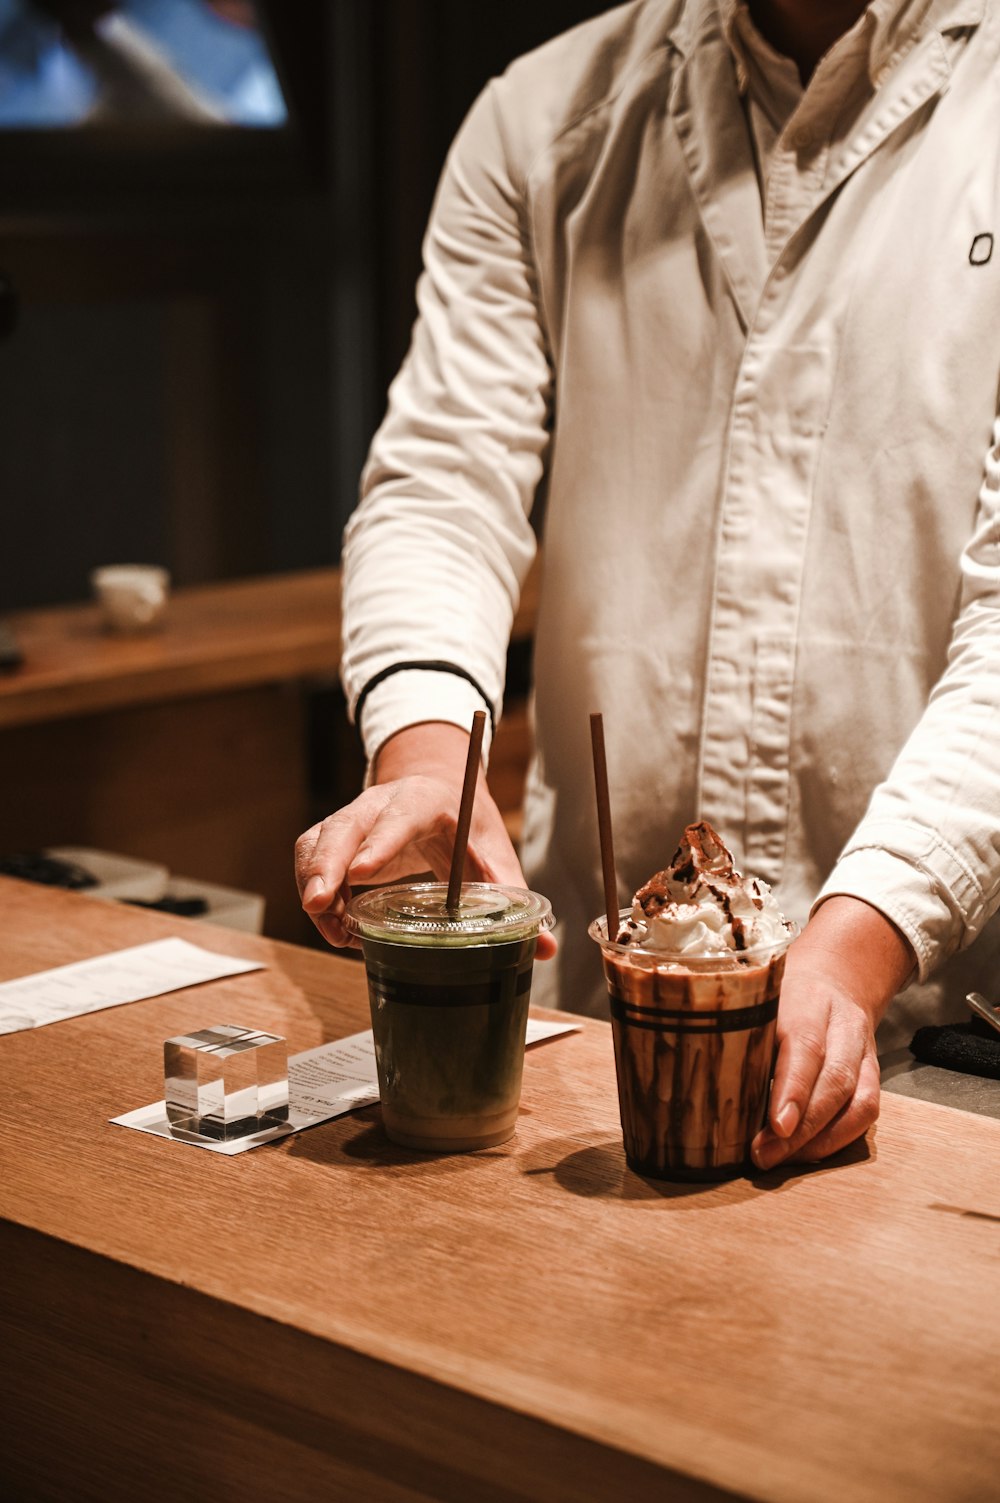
(449, 1002)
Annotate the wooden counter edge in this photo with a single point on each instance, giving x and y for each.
(117, 1384)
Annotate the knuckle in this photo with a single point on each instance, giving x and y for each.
(340, 819)
(810, 1046)
(348, 824)
(840, 1081)
(866, 1107)
(305, 843)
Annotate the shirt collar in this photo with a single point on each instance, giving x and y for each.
(750, 47)
(889, 28)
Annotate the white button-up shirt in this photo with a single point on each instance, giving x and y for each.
(747, 351)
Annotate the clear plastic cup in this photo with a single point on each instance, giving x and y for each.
(449, 1003)
(694, 1040)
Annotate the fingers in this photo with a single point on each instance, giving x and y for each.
(324, 852)
(801, 1057)
(391, 831)
(329, 920)
(490, 850)
(826, 1090)
(322, 858)
(547, 946)
(851, 1122)
(410, 826)
(415, 831)
(325, 906)
(324, 903)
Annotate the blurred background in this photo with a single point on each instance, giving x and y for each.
(211, 286)
(210, 224)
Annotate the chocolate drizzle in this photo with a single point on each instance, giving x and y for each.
(736, 924)
(700, 879)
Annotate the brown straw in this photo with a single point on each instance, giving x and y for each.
(465, 810)
(604, 822)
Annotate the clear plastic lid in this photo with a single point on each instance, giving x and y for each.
(417, 913)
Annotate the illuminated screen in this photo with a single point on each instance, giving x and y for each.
(69, 63)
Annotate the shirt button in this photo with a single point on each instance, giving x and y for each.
(802, 138)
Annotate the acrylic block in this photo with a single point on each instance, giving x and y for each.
(226, 1081)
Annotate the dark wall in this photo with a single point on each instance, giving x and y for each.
(434, 57)
(197, 367)
(82, 456)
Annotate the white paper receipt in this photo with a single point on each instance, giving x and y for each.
(130, 975)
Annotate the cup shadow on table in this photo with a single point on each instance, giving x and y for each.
(593, 1171)
(598, 1171)
(360, 1139)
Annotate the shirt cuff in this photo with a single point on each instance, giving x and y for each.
(414, 697)
(904, 894)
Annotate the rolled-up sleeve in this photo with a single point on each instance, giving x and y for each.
(437, 551)
(927, 853)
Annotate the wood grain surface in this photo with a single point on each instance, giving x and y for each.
(533, 1321)
(213, 787)
(214, 637)
(190, 745)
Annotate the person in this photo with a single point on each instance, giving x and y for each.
(716, 282)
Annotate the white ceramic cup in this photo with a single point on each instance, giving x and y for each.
(132, 597)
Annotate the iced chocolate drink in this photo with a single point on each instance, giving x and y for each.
(449, 1003)
(694, 975)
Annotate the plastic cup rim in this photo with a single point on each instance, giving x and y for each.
(491, 931)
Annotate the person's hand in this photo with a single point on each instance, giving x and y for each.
(840, 976)
(404, 824)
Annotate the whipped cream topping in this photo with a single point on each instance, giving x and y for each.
(700, 904)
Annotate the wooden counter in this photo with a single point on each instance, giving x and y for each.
(186, 745)
(189, 745)
(214, 638)
(331, 1317)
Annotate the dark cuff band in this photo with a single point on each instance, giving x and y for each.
(426, 667)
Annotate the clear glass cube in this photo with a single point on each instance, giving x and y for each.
(226, 1081)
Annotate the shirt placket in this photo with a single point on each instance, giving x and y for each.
(798, 169)
(777, 417)
(763, 527)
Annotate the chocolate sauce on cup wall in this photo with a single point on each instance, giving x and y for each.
(694, 973)
(694, 1051)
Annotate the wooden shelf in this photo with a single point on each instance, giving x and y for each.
(215, 638)
(189, 745)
